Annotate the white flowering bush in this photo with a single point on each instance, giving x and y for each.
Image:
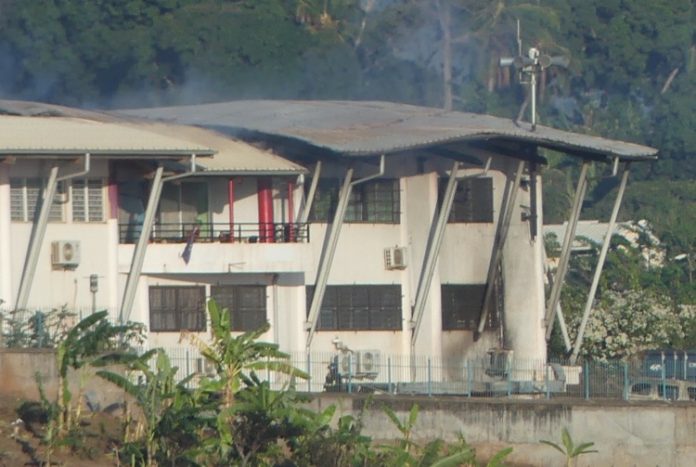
(624, 323)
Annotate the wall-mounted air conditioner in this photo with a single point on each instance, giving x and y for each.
(395, 258)
(65, 253)
(369, 362)
(347, 363)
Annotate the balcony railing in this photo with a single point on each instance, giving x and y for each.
(219, 232)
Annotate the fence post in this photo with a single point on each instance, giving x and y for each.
(188, 367)
(627, 384)
(508, 377)
(546, 380)
(350, 372)
(586, 379)
(430, 379)
(662, 378)
(468, 378)
(389, 376)
(309, 373)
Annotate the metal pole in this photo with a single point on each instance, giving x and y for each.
(140, 248)
(36, 239)
(600, 265)
(586, 379)
(304, 215)
(499, 243)
(431, 255)
(564, 328)
(327, 255)
(430, 378)
(558, 279)
(389, 375)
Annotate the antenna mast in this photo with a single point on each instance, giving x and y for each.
(529, 67)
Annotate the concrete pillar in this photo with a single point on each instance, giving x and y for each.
(5, 239)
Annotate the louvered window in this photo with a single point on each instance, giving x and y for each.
(175, 308)
(245, 303)
(25, 194)
(359, 307)
(88, 200)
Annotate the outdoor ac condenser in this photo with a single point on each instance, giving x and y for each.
(65, 253)
(395, 258)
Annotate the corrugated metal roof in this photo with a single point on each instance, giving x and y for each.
(232, 157)
(358, 128)
(63, 135)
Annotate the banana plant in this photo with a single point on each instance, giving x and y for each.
(569, 449)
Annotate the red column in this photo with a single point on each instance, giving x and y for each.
(230, 206)
(291, 212)
(113, 193)
(265, 196)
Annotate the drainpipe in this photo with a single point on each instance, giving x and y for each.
(498, 244)
(39, 231)
(327, 255)
(600, 265)
(558, 280)
(144, 238)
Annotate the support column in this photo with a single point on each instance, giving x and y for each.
(600, 265)
(498, 244)
(141, 247)
(230, 206)
(265, 200)
(558, 280)
(432, 251)
(289, 234)
(36, 240)
(5, 239)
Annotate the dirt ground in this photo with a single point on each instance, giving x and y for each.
(21, 443)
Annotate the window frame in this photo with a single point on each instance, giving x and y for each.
(86, 190)
(460, 306)
(30, 202)
(473, 201)
(239, 311)
(359, 308)
(366, 205)
(178, 313)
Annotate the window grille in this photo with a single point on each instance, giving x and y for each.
(25, 194)
(473, 200)
(359, 307)
(88, 200)
(245, 303)
(461, 307)
(377, 201)
(177, 308)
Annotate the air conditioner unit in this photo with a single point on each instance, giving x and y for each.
(347, 363)
(395, 258)
(500, 362)
(65, 253)
(369, 362)
(205, 367)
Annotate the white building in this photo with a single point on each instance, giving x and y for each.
(368, 225)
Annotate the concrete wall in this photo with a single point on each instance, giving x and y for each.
(625, 434)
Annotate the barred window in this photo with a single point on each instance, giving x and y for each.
(473, 200)
(245, 303)
(177, 308)
(359, 307)
(461, 307)
(25, 194)
(376, 201)
(88, 200)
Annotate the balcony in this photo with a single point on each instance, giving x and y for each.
(218, 233)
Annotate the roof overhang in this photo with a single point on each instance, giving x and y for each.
(360, 128)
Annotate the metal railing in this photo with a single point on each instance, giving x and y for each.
(245, 232)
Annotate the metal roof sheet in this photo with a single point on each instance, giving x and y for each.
(357, 128)
(232, 156)
(65, 135)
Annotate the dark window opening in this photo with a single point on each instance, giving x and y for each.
(175, 308)
(245, 303)
(371, 202)
(461, 306)
(359, 307)
(473, 200)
